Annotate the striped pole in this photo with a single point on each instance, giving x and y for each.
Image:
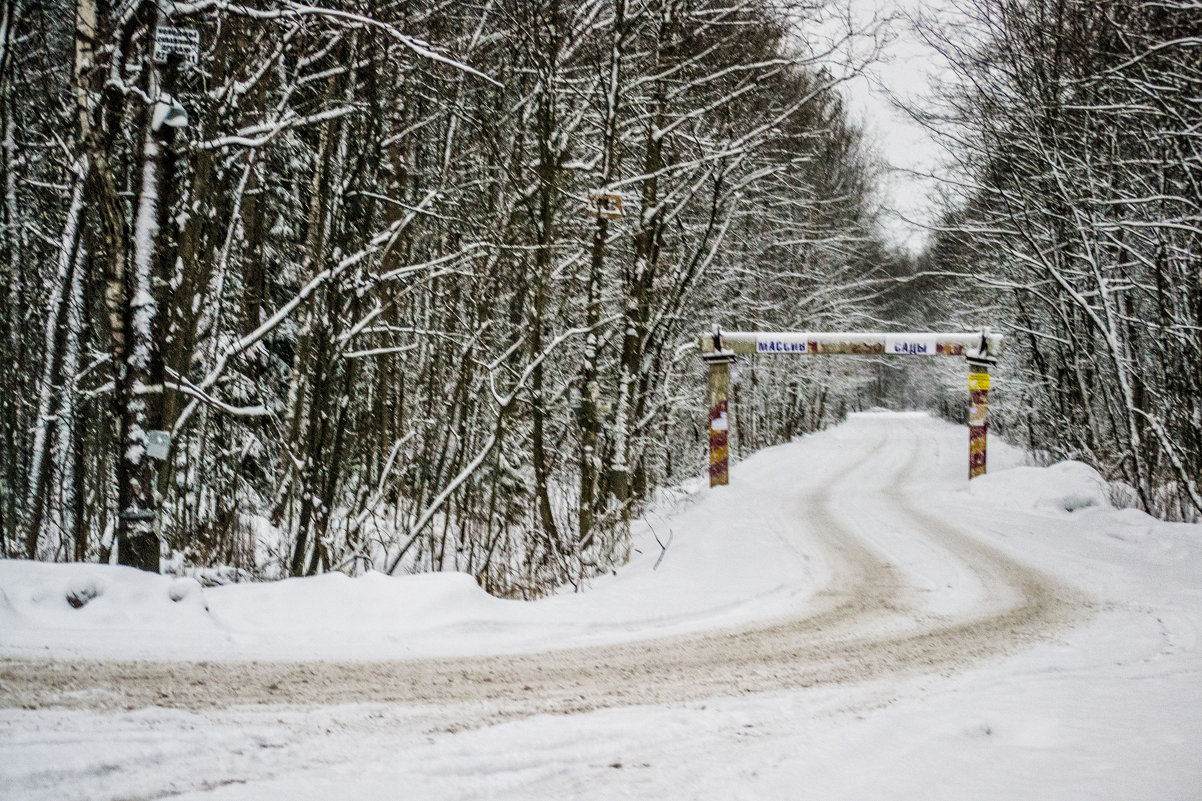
(719, 390)
(978, 421)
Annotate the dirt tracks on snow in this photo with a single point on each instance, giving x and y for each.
(869, 622)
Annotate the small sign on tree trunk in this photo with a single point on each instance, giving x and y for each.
(158, 444)
(185, 42)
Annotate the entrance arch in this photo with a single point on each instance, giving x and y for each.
(979, 349)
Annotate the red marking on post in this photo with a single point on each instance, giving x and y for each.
(719, 461)
(978, 431)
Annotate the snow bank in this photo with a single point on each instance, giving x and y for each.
(53, 606)
(716, 559)
(96, 596)
(1060, 488)
(336, 604)
(111, 611)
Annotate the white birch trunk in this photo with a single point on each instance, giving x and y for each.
(64, 464)
(68, 244)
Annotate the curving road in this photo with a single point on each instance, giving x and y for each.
(910, 593)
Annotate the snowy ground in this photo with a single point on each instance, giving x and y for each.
(848, 620)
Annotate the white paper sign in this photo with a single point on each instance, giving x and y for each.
(170, 39)
(158, 444)
(910, 345)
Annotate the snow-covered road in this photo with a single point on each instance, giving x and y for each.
(847, 620)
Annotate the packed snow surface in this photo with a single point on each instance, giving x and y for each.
(850, 619)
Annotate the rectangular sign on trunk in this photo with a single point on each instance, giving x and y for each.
(170, 39)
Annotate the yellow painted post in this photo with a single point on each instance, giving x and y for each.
(978, 419)
(719, 390)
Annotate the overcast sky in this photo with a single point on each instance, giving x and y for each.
(902, 144)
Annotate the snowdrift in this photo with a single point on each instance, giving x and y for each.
(1062, 487)
(717, 559)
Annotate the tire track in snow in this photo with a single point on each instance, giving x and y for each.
(868, 623)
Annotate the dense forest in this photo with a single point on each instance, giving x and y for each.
(415, 285)
(404, 285)
(1076, 208)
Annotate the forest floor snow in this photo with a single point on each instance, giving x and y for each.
(849, 619)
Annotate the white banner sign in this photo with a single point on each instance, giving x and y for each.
(910, 345)
(170, 39)
(783, 344)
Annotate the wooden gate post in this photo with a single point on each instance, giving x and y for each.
(981, 350)
(978, 416)
(719, 390)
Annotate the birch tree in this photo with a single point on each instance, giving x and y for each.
(349, 259)
(1072, 124)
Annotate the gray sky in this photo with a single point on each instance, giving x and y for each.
(901, 143)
